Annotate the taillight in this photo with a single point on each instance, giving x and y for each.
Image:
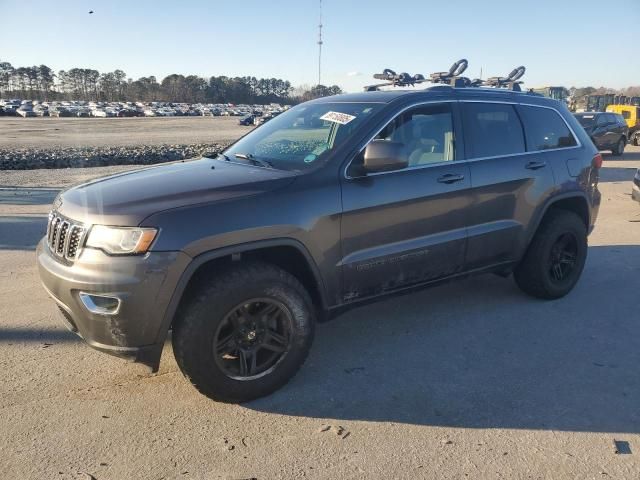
(597, 161)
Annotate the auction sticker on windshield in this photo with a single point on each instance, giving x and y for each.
(337, 117)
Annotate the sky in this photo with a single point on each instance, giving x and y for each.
(561, 42)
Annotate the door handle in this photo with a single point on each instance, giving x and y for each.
(535, 165)
(451, 178)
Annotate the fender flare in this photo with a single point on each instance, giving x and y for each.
(207, 256)
(551, 202)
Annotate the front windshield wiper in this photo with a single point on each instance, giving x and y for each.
(254, 160)
(226, 157)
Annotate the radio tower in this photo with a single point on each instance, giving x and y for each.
(320, 46)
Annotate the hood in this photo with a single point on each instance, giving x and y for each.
(128, 198)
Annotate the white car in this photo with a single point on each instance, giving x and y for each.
(166, 112)
(26, 112)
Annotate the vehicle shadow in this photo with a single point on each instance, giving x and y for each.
(616, 174)
(21, 232)
(628, 156)
(480, 354)
(37, 335)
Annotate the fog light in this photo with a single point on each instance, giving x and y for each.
(100, 304)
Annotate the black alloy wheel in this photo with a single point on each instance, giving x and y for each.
(253, 338)
(562, 260)
(556, 256)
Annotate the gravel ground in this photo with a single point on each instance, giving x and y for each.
(467, 380)
(52, 132)
(53, 143)
(57, 177)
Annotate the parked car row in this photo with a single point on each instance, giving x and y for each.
(34, 108)
(257, 118)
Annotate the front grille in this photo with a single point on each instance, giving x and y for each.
(64, 237)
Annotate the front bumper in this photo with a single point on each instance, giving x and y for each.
(144, 285)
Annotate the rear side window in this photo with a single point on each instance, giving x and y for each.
(545, 129)
(492, 129)
(626, 114)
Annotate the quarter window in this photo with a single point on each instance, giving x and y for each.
(545, 129)
(492, 130)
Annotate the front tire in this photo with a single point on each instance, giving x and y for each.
(245, 334)
(556, 257)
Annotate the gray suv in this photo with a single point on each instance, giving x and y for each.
(337, 202)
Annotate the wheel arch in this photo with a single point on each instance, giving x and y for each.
(575, 202)
(289, 254)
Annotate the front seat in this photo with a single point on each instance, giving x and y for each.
(431, 145)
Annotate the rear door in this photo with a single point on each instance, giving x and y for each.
(407, 227)
(623, 129)
(508, 184)
(599, 133)
(615, 130)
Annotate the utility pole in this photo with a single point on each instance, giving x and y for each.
(320, 46)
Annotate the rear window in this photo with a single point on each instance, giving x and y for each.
(493, 129)
(586, 120)
(545, 129)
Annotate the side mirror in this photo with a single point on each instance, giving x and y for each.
(384, 156)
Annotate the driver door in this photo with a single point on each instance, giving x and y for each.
(409, 226)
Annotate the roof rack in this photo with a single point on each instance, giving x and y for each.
(510, 81)
(453, 78)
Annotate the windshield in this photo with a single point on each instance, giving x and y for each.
(301, 137)
(586, 120)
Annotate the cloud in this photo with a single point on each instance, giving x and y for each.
(354, 74)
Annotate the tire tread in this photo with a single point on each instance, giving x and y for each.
(189, 326)
(528, 274)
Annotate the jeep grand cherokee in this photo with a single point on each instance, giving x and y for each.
(337, 202)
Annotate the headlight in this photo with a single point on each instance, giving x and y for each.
(121, 240)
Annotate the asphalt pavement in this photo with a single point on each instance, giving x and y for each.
(467, 380)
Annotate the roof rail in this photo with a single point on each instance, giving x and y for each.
(452, 78)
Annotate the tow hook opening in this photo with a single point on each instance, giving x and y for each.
(100, 304)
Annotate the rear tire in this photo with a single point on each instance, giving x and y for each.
(223, 369)
(619, 148)
(550, 270)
